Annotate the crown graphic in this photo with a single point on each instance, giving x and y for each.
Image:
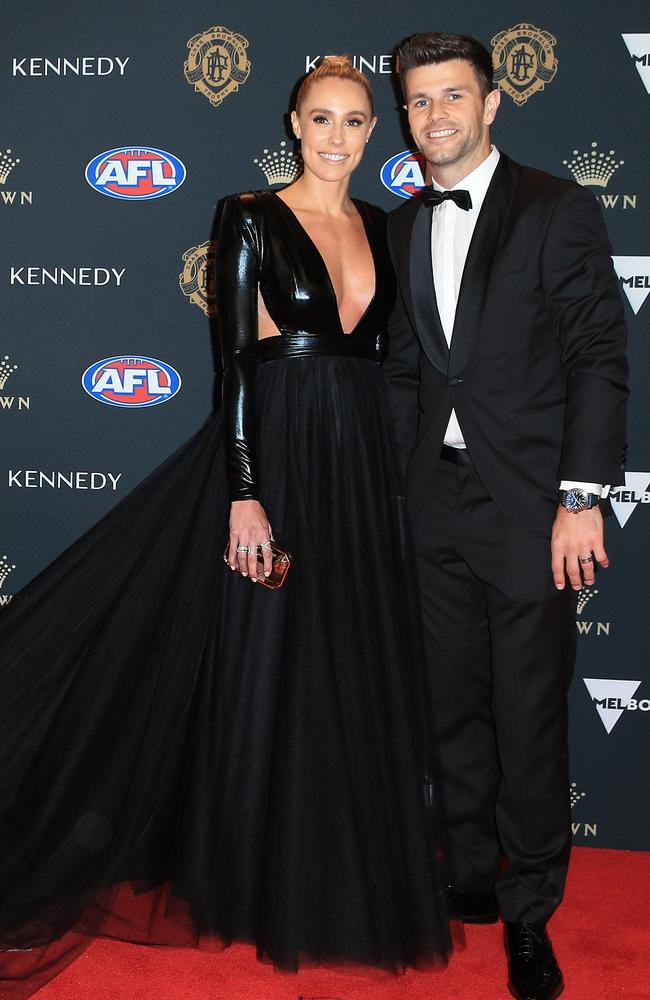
(5, 569)
(6, 369)
(575, 795)
(279, 168)
(584, 596)
(7, 164)
(593, 168)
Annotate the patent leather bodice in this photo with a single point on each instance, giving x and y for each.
(261, 246)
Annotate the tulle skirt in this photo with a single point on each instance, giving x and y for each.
(187, 756)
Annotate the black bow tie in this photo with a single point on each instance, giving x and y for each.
(432, 197)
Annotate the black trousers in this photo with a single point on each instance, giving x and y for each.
(500, 650)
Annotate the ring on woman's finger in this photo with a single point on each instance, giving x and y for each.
(266, 545)
(586, 559)
(243, 548)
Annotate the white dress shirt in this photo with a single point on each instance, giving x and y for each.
(452, 229)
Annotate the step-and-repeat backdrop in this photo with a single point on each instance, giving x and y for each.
(123, 124)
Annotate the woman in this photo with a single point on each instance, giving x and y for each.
(188, 752)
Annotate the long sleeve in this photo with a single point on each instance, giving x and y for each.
(237, 268)
(585, 303)
(401, 370)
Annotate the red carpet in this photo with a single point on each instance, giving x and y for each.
(601, 936)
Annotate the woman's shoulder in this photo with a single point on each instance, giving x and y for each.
(243, 213)
(249, 197)
(246, 206)
(247, 203)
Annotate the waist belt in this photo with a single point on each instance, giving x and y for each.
(307, 345)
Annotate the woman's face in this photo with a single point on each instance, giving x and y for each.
(333, 123)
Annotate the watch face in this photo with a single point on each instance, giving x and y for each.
(576, 500)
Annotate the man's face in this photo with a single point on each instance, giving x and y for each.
(448, 115)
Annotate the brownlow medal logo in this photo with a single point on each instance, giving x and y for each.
(217, 64)
(524, 61)
(197, 277)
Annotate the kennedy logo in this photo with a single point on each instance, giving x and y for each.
(624, 500)
(639, 48)
(5, 569)
(131, 381)
(10, 402)
(39, 479)
(217, 64)
(279, 167)
(524, 61)
(596, 168)
(7, 164)
(95, 276)
(135, 173)
(197, 277)
(380, 65)
(634, 277)
(404, 174)
(77, 66)
(611, 698)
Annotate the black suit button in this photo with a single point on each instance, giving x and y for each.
(455, 381)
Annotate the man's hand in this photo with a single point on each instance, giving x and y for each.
(575, 538)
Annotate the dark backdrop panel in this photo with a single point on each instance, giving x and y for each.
(124, 83)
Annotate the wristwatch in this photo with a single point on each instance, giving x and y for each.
(577, 500)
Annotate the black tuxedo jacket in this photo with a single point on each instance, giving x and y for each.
(536, 372)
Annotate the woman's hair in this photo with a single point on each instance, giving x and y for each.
(334, 68)
(430, 48)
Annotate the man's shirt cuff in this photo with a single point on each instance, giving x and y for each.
(597, 488)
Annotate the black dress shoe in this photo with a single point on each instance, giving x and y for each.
(473, 907)
(534, 972)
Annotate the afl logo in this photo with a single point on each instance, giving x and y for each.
(403, 174)
(135, 173)
(134, 382)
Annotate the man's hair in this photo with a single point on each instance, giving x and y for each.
(432, 47)
(334, 68)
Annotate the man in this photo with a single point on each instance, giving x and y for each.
(507, 379)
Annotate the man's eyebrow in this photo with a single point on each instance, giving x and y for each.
(445, 90)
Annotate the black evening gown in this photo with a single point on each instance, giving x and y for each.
(187, 756)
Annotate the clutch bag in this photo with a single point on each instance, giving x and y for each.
(279, 569)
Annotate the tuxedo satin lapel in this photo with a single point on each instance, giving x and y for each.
(478, 266)
(425, 308)
(400, 226)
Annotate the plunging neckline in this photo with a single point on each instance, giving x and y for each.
(328, 276)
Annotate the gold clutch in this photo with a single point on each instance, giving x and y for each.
(279, 569)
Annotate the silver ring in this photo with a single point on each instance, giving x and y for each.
(267, 545)
(586, 559)
(243, 548)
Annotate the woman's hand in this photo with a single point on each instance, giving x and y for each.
(249, 529)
